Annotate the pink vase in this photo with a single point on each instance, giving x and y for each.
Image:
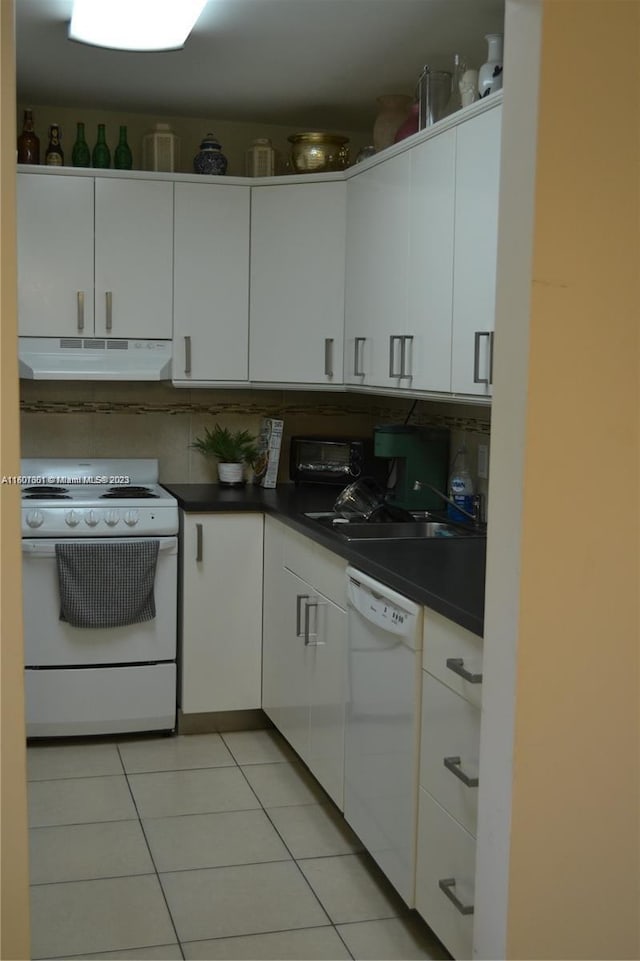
(410, 125)
(393, 110)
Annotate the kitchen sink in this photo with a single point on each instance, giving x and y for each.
(423, 526)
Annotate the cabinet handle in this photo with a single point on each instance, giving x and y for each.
(109, 309)
(477, 379)
(491, 357)
(456, 664)
(80, 299)
(311, 605)
(187, 355)
(392, 371)
(199, 543)
(328, 356)
(408, 338)
(357, 356)
(453, 764)
(447, 885)
(299, 599)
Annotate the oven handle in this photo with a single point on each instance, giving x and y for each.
(47, 548)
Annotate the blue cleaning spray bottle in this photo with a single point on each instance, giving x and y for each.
(460, 486)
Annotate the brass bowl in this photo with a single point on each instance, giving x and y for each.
(318, 152)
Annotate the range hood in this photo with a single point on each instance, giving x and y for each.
(94, 358)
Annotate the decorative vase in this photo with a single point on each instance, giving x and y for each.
(410, 125)
(231, 475)
(393, 111)
(210, 159)
(490, 71)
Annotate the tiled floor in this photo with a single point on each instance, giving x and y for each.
(204, 847)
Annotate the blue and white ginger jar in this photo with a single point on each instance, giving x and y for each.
(210, 159)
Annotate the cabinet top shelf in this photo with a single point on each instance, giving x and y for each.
(454, 120)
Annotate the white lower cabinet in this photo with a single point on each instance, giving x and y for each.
(304, 652)
(220, 628)
(447, 809)
(445, 876)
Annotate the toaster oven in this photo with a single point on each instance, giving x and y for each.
(330, 460)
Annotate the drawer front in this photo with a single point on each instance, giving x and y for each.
(444, 641)
(451, 733)
(446, 853)
(322, 569)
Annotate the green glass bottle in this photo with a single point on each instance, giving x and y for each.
(101, 156)
(81, 155)
(122, 158)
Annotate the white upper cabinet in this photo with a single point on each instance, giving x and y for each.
(95, 257)
(296, 315)
(55, 256)
(134, 258)
(377, 274)
(211, 283)
(430, 280)
(475, 252)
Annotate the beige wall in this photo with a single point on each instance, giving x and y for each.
(575, 830)
(234, 137)
(14, 941)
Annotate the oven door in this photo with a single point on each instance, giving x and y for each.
(50, 642)
(82, 681)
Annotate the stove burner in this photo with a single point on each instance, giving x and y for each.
(44, 490)
(127, 491)
(47, 497)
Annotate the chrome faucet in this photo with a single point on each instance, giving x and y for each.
(477, 501)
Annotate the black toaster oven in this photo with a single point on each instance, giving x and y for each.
(330, 460)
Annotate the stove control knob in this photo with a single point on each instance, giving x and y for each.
(112, 518)
(35, 518)
(91, 518)
(131, 517)
(72, 518)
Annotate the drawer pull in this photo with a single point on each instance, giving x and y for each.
(299, 599)
(453, 764)
(456, 664)
(446, 885)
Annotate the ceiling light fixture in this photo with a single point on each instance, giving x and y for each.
(134, 24)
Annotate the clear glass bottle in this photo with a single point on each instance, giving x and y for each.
(101, 155)
(459, 70)
(54, 156)
(81, 155)
(122, 157)
(28, 142)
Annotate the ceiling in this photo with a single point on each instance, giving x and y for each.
(303, 63)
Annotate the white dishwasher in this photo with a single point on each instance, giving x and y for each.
(383, 725)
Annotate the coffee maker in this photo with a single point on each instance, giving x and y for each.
(421, 454)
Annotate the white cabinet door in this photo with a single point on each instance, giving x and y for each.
(445, 883)
(55, 255)
(327, 697)
(133, 258)
(377, 274)
(476, 238)
(428, 352)
(296, 316)
(211, 283)
(304, 656)
(221, 612)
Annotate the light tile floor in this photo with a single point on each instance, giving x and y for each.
(202, 847)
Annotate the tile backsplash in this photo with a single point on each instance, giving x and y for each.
(83, 419)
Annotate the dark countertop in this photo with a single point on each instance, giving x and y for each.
(445, 574)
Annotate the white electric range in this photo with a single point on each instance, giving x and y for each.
(100, 571)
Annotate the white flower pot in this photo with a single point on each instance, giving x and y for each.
(231, 473)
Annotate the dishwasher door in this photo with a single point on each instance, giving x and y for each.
(383, 726)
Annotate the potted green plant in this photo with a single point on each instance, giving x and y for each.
(232, 448)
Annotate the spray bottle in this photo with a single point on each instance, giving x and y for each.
(460, 486)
